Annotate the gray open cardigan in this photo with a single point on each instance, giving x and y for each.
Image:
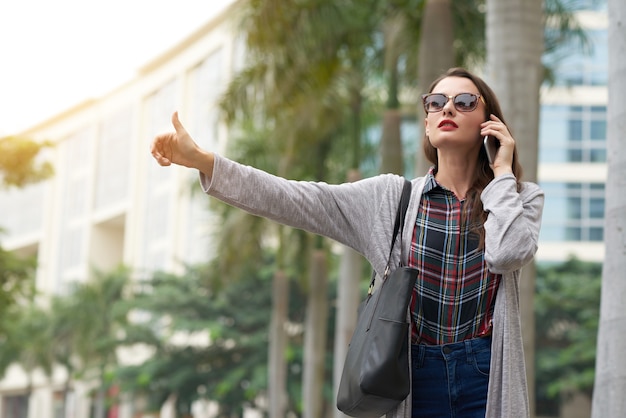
(360, 215)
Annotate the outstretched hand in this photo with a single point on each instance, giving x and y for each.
(179, 148)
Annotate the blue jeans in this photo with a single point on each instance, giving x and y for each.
(451, 380)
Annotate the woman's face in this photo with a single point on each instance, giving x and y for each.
(450, 128)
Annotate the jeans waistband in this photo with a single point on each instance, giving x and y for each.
(463, 348)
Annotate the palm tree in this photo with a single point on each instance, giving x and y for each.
(515, 72)
(97, 327)
(308, 81)
(610, 380)
(435, 55)
(279, 70)
(29, 341)
(17, 284)
(398, 34)
(64, 337)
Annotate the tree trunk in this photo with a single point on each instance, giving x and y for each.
(391, 160)
(514, 71)
(100, 409)
(435, 56)
(277, 385)
(315, 331)
(348, 298)
(610, 379)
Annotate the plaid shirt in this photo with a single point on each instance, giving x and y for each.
(454, 295)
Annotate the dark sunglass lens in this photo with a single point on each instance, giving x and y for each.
(435, 102)
(466, 102)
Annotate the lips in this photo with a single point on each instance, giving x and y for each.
(447, 123)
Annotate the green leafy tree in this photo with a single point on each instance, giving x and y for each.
(567, 301)
(99, 316)
(302, 81)
(17, 291)
(210, 340)
(20, 162)
(64, 331)
(20, 165)
(29, 340)
(16, 285)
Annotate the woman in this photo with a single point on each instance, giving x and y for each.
(470, 228)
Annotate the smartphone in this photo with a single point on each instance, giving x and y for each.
(491, 145)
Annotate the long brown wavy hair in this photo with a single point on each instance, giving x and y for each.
(483, 174)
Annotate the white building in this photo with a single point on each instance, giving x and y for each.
(572, 145)
(109, 202)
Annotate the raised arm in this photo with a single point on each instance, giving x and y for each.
(513, 224)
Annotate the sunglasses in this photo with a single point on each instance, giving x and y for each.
(463, 102)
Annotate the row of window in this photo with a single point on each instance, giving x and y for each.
(572, 134)
(573, 212)
(580, 61)
(575, 134)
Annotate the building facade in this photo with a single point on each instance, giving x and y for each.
(572, 143)
(109, 203)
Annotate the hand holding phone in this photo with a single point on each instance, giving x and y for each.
(491, 145)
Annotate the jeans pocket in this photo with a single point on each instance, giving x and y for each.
(482, 362)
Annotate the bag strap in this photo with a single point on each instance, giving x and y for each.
(398, 226)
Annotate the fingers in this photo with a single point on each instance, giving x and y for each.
(161, 145)
(169, 148)
(180, 129)
(495, 127)
(157, 151)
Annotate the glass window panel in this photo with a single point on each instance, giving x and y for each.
(575, 132)
(596, 208)
(574, 208)
(575, 155)
(597, 155)
(598, 111)
(596, 234)
(573, 233)
(573, 211)
(552, 233)
(550, 155)
(598, 130)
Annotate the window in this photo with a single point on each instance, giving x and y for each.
(598, 5)
(113, 170)
(206, 86)
(156, 220)
(572, 134)
(574, 64)
(573, 212)
(15, 406)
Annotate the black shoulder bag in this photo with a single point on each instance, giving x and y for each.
(376, 375)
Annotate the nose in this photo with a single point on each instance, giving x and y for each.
(448, 107)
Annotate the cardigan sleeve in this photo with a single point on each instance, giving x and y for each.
(348, 213)
(513, 223)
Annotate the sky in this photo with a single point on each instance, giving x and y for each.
(54, 54)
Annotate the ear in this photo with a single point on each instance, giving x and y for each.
(426, 126)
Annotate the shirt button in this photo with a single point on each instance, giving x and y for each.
(447, 350)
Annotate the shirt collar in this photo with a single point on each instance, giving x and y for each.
(430, 182)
